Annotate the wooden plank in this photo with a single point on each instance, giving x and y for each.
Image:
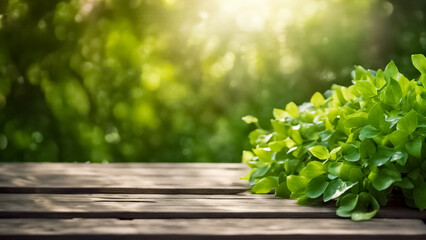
(189, 178)
(212, 229)
(173, 206)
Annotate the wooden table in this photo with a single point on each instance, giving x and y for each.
(170, 201)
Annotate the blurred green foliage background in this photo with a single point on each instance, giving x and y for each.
(152, 80)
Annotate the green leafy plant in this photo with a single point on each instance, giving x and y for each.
(353, 145)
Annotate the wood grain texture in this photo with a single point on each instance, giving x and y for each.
(137, 178)
(173, 206)
(212, 229)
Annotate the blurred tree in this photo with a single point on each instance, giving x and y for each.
(145, 80)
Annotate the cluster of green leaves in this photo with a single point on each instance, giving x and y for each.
(354, 146)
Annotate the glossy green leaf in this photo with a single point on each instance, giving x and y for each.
(297, 184)
(366, 88)
(247, 156)
(312, 170)
(276, 146)
(264, 154)
(355, 120)
(317, 99)
(367, 148)
(334, 168)
(400, 157)
(391, 71)
(398, 137)
(335, 188)
(362, 216)
(405, 183)
(258, 173)
(280, 114)
(316, 187)
(368, 132)
(408, 123)
(376, 116)
(320, 152)
(381, 157)
(392, 94)
(351, 153)
(414, 147)
(384, 178)
(265, 185)
(419, 62)
(292, 109)
(348, 202)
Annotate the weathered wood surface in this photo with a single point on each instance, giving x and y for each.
(171, 201)
(212, 229)
(150, 178)
(173, 206)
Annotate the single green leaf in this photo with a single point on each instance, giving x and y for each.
(348, 202)
(280, 114)
(363, 216)
(317, 99)
(392, 94)
(414, 147)
(376, 116)
(334, 168)
(400, 158)
(336, 188)
(264, 154)
(256, 135)
(258, 173)
(379, 158)
(356, 175)
(408, 123)
(297, 184)
(316, 187)
(419, 195)
(358, 119)
(366, 208)
(391, 71)
(292, 109)
(366, 88)
(384, 178)
(359, 72)
(419, 62)
(379, 80)
(368, 132)
(276, 146)
(351, 153)
(247, 156)
(422, 79)
(250, 119)
(295, 134)
(398, 137)
(367, 148)
(289, 143)
(320, 152)
(405, 183)
(312, 170)
(334, 151)
(265, 185)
